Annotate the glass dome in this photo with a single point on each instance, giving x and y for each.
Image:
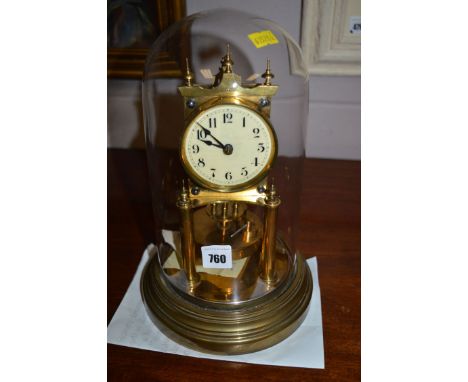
(190, 68)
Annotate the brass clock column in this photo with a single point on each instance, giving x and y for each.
(233, 286)
(187, 240)
(267, 260)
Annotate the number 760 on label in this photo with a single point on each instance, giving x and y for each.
(217, 256)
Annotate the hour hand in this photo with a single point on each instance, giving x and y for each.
(209, 143)
(208, 132)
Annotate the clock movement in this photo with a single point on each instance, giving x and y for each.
(224, 278)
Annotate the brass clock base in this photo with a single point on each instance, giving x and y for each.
(227, 327)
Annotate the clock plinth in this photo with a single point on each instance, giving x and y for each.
(206, 319)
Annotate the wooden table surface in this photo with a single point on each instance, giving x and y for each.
(330, 218)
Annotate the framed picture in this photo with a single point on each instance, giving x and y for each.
(132, 26)
(331, 37)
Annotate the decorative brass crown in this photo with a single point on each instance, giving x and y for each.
(228, 84)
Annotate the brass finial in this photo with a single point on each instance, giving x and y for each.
(227, 62)
(184, 194)
(183, 200)
(272, 197)
(271, 192)
(188, 74)
(268, 75)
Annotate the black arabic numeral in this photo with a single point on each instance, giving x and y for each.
(195, 149)
(201, 162)
(228, 175)
(256, 161)
(211, 123)
(216, 258)
(201, 134)
(213, 172)
(243, 122)
(227, 118)
(256, 130)
(261, 148)
(244, 171)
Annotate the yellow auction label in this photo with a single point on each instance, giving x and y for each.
(263, 38)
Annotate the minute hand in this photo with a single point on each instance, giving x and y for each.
(208, 132)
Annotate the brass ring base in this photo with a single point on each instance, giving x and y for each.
(227, 328)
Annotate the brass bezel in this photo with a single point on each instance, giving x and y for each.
(229, 188)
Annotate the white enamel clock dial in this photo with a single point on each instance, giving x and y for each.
(228, 147)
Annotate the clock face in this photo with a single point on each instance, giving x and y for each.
(228, 147)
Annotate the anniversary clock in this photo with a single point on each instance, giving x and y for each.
(226, 277)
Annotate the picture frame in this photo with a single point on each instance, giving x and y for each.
(330, 46)
(128, 46)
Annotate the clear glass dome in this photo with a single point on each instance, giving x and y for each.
(243, 224)
(202, 38)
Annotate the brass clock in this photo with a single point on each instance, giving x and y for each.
(228, 146)
(228, 283)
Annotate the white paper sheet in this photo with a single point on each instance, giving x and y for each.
(131, 327)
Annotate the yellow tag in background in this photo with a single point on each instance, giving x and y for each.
(263, 38)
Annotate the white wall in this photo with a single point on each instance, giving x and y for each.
(334, 129)
(335, 102)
